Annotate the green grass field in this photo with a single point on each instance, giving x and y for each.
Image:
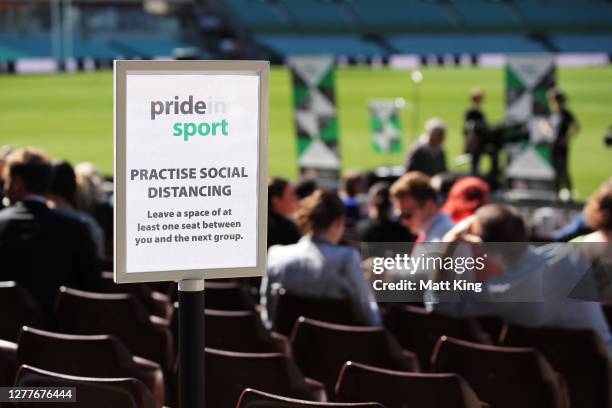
(71, 116)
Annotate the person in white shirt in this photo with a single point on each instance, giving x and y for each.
(544, 286)
(317, 266)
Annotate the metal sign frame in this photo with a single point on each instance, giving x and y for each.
(124, 68)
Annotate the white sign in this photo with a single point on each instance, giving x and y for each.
(191, 164)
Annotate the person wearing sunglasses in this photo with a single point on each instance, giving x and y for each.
(416, 206)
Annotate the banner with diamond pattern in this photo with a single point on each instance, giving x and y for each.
(385, 125)
(316, 120)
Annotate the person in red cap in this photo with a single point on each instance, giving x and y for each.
(465, 197)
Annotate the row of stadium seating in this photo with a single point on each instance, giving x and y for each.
(352, 45)
(415, 14)
(13, 46)
(244, 354)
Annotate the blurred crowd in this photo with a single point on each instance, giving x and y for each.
(315, 240)
(56, 229)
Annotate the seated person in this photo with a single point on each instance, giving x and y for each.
(282, 203)
(379, 226)
(415, 202)
(465, 197)
(316, 265)
(523, 284)
(41, 248)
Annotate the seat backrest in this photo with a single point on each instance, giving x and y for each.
(142, 292)
(257, 399)
(418, 330)
(359, 382)
(90, 392)
(8, 363)
(321, 349)
(289, 307)
(579, 355)
(81, 355)
(227, 296)
(17, 308)
(240, 331)
(501, 376)
(233, 330)
(121, 315)
(229, 373)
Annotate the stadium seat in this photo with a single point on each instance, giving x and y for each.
(227, 296)
(418, 330)
(17, 308)
(579, 355)
(238, 330)
(229, 373)
(289, 307)
(397, 389)
(503, 377)
(99, 356)
(156, 303)
(90, 392)
(121, 315)
(8, 363)
(321, 349)
(256, 399)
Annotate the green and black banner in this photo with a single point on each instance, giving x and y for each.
(385, 125)
(316, 119)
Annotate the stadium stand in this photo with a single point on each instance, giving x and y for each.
(502, 376)
(321, 349)
(583, 42)
(579, 355)
(455, 44)
(92, 392)
(424, 27)
(254, 399)
(100, 356)
(359, 382)
(17, 308)
(357, 29)
(319, 44)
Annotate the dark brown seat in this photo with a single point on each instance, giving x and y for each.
(121, 315)
(156, 303)
(289, 307)
(90, 392)
(238, 330)
(8, 363)
(17, 308)
(229, 373)
(100, 356)
(579, 355)
(227, 295)
(504, 377)
(418, 330)
(321, 349)
(256, 399)
(398, 389)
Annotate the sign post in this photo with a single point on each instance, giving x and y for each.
(190, 185)
(191, 342)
